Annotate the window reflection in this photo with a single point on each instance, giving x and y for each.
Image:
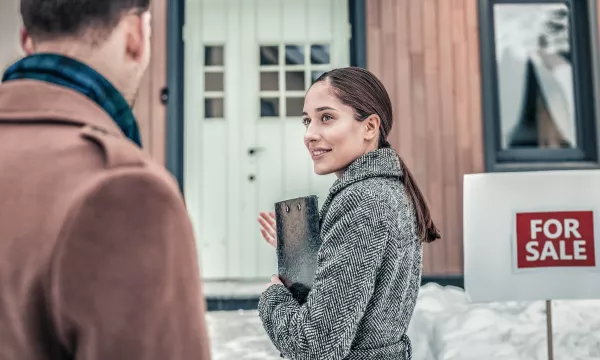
(535, 76)
(269, 107)
(294, 55)
(269, 55)
(319, 54)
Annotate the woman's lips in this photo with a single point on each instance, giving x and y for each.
(318, 153)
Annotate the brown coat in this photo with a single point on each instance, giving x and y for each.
(97, 256)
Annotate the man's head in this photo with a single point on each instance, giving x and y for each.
(112, 36)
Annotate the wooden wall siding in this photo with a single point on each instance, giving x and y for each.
(426, 52)
(148, 109)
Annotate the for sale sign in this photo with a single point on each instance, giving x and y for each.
(555, 239)
(532, 235)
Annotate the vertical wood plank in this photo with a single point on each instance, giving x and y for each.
(434, 139)
(141, 110)
(475, 114)
(148, 109)
(10, 18)
(402, 132)
(388, 39)
(417, 58)
(374, 36)
(451, 236)
(463, 129)
(158, 80)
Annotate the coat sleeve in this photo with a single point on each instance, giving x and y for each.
(124, 281)
(349, 258)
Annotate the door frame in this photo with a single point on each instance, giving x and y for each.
(174, 95)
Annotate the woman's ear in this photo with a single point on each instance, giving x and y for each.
(372, 124)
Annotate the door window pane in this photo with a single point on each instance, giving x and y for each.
(213, 81)
(319, 54)
(294, 55)
(535, 76)
(214, 108)
(294, 106)
(294, 80)
(269, 107)
(269, 55)
(214, 56)
(269, 81)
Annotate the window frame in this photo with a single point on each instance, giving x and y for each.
(585, 156)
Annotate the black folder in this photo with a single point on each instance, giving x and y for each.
(298, 242)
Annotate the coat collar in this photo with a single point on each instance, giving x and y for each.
(379, 163)
(73, 74)
(34, 100)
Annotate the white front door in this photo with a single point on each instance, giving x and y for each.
(248, 65)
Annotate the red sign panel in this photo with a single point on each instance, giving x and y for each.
(555, 239)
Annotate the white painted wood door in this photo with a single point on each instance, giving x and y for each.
(248, 65)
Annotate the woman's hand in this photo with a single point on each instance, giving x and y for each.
(268, 227)
(275, 280)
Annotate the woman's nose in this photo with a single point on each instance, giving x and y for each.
(311, 134)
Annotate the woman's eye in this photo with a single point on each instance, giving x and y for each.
(326, 117)
(306, 121)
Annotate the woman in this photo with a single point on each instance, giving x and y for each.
(372, 226)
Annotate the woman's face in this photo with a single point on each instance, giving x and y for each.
(334, 138)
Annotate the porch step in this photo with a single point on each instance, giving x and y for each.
(228, 295)
(238, 289)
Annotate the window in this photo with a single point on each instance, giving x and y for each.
(214, 82)
(538, 97)
(286, 72)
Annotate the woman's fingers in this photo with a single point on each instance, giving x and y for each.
(268, 238)
(268, 227)
(267, 224)
(271, 219)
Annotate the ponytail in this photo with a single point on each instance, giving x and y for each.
(426, 229)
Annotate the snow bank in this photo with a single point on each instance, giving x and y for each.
(446, 327)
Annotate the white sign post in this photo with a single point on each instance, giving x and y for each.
(532, 236)
(549, 329)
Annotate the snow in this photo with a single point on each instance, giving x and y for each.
(446, 326)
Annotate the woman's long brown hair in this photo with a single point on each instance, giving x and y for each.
(361, 90)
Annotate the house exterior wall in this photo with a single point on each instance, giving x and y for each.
(10, 22)
(427, 54)
(149, 109)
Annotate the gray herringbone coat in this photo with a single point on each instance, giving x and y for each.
(368, 276)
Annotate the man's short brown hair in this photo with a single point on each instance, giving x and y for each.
(51, 19)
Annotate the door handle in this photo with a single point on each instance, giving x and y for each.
(254, 150)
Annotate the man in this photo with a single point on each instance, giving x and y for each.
(97, 255)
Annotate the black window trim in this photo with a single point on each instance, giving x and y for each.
(581, 36)
(174, 123)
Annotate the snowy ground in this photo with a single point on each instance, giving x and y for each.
(446, 327)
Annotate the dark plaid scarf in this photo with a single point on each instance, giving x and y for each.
(68, 72)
